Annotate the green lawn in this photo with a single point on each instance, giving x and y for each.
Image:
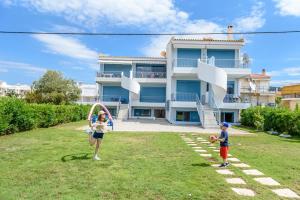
(55, 163)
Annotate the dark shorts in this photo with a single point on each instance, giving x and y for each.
(97, 135)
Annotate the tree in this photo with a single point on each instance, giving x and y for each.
(53, 88)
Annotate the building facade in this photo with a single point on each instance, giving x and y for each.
(290, 96)
(256, 89)
(18, 90)
(196, 81)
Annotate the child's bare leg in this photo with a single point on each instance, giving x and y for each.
(97, 146)
(92, 140)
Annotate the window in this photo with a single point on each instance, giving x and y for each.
(187, 116)
(227, 117)
(153, 94)
(230, 87)
(142, 112)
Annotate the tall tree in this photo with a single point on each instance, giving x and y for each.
(53, 88)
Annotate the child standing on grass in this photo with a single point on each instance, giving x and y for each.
(224, 147)
(96, 135)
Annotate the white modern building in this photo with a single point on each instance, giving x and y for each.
(88, 93)
(196, 81)
(18, 89)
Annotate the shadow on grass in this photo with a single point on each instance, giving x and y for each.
(77, 156)
(200, 165)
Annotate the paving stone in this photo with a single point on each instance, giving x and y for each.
(285, 192)
(212, 148)
(200, 150)
(197, 147)
(252, 172)
(244, 192)
(240, 165)
(216, 150)
(238, 181)
(205, 142)
(215, 165)
(233, 159)
(267, 181)
(192, 144)
(224, 172)
(205, 155)
(199, 138)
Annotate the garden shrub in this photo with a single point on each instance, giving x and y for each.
(276, 119)
(16, 115)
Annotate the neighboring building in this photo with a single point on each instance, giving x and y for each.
(18, 89)
(196, 81)
(89, 93)
(290, 96)
(256, 89)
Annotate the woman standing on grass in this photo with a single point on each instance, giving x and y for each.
(98, 128)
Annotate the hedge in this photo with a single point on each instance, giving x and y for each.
(281, 120)
(16, 115)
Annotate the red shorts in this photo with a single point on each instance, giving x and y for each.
(224, 152)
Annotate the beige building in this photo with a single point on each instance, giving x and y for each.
(256, 89)
(88, 94)
(290, 96)
(19, 89)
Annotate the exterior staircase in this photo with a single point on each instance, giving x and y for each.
(208, 116)
(123, 112)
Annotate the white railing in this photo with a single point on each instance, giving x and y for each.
(222, 63)
(261, 89)
(232, 98)
(200, 110)
(153, 99)
(110, 74)
(182, 96)
(214, 106)
(150, 74)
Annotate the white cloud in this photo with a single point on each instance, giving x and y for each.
(8, 65)
(254, 21)
(284, 82)
(288, 71)
(125, 12)
(288, 7)
(67, 46)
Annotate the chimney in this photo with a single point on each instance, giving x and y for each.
(229, 32)
(263, 71)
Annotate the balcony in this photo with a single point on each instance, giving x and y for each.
(150, 101)
(258, 90)
(109, 76)
(232, 101)
(234, 68)
(113, 100)
(183, 100)
(140, 74)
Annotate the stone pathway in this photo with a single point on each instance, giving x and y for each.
(199, 144)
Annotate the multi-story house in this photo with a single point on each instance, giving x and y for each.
(256, 89)
(196, 81)
(88, 93)
(290, 96)
(19, 90)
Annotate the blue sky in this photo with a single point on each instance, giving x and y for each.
(24, 58)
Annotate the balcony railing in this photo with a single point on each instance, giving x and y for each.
(231, 98)
(258, 90)
(153, 99)
(111, 74)
(290, 96)
(114, 98)
(150, 75)
(223, 63)
(182, 96)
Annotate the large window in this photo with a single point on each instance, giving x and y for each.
(223, 57)
(187, 90)
(187, 116)
(153, 94)
(150, 71)
(115, 70)
(188, 57)
(114, 93)
(142, 112)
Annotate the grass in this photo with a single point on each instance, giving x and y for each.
(55, 163)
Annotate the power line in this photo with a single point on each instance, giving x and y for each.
(145, 34)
